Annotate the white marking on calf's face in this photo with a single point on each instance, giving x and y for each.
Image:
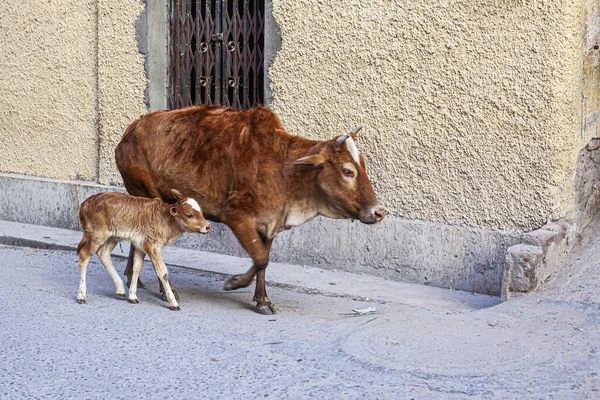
(352, 149)
(194, 204)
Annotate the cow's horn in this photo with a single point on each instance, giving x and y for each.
(356, 130)
(342, 138)
(345, 136)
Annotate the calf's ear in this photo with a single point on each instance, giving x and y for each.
(177, 194)
(173, 211)
(316, 160)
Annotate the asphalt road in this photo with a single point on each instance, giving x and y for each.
(540, 346)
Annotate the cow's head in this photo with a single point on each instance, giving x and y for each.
(343, 179)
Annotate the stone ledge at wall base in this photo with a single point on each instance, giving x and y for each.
(435, 254)
(536, 259)
(533, 262)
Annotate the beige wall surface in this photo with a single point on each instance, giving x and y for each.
(71, 80)
(48, 88)
(591, 71)
(121, 79)
(471, 109)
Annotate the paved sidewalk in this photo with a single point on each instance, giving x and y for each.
(421, 343)
(329, 282)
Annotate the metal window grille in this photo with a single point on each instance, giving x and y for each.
(216, 53)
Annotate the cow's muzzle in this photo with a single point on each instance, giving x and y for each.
(373, 215)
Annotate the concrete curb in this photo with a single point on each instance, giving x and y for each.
(314, 280)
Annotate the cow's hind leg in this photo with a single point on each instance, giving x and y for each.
(259, 250)
(104, 253)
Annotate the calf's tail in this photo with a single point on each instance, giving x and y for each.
(84, 239)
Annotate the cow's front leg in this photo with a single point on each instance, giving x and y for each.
(263, 304)
(258, 250)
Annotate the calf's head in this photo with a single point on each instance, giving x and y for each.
(188, 214)
(342, 178)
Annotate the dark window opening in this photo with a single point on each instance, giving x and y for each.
(216, 53)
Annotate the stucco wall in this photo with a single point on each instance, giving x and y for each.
(48, 88)
(591, 72)
(71, 80)
(471, 110)
(121, 79)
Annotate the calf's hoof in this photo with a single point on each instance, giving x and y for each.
(174, 308)
(164, 296)
(121, 295)
(133, 301)
(81, 301)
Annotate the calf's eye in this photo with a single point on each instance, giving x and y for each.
(348, 172)
(189, 215)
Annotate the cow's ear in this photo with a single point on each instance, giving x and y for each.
(173, 211)
(177, 194)
(316, 160)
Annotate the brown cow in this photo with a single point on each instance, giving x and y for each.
(247, 172)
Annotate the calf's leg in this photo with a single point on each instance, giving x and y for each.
(104, 254)
(129, 275)
(84, 259)
(129, 268)
(86, 251)
(163, 275)
(138, 262)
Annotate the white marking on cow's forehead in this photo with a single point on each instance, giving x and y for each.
(194, 204)
(351, 146)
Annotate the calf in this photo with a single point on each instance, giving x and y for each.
(149, 224)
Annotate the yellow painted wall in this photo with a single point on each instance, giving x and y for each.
(471, 109)
(71, 80)
(48, 88)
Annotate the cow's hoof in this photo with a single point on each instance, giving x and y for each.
(121, 295)
(81, 301)
(133, 301)
(231, 283)
(235, 282)
(266, 309)
(176, 308)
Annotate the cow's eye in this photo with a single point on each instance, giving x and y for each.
(348, 172)
(189, 215)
